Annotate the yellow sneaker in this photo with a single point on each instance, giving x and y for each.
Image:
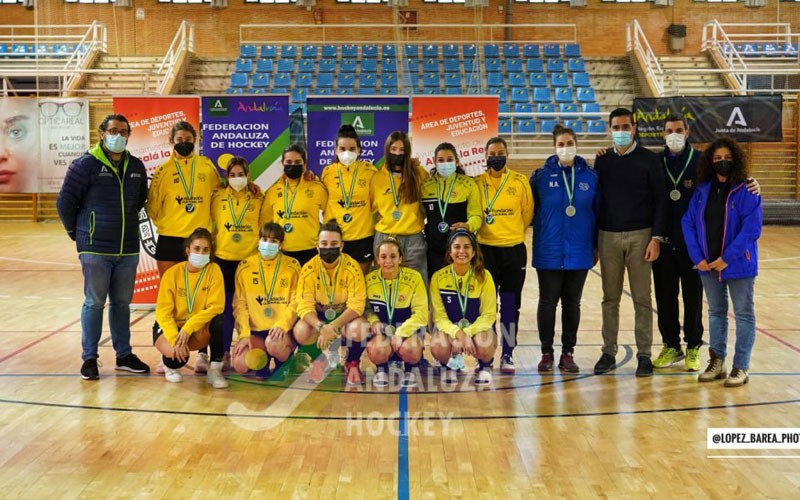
(668, 356)
(692, 359)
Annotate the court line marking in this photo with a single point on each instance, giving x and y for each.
(753, 456)
(37, 341)
(35, 261)
(402, 449)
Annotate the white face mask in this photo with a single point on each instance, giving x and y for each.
(567, 154)
(347, 158)
(237, 183)
(675, 142)
(199, 260)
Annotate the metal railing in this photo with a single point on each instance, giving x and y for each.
(92, 43)
(638, 44)
(182, 44)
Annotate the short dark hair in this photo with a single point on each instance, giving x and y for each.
(446, 146)
(295, 148)
(199, 233)
(120, 118)
(348, 132)
(497, 140)
(182, 125)
(560, 129)
(705, 167)
(677, 117)
(621, 112)
(332, 226)
(272, 230)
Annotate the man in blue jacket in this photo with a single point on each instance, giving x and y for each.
(99, 202)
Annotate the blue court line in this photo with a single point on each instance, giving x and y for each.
(402, 449)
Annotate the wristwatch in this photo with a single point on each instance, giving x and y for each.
(659, 239)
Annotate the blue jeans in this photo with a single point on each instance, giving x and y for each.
(113, 277)
(741, 292)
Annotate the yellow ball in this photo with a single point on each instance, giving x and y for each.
(255, 359)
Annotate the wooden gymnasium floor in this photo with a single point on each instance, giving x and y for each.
(531, 436)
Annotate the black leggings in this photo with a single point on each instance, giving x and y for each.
(216, 343)
(507, 265)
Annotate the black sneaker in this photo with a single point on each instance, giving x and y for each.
(131, 363)
(645, 368)
(89, 370)
(606, 363)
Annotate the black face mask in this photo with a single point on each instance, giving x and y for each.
(293, 171)
(329, 255)
(496, 163)
(395, 160)
(184, 148)
(723, 167)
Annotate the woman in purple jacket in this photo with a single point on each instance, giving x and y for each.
(721, 228)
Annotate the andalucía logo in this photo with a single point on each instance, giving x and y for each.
(257, 107)
(364, 123)
(219, 107)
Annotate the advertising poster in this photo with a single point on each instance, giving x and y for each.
(64, 135)
(19, 145)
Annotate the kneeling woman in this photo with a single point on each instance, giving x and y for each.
(464, 303)
(189, 310)
(331, 296)
(263, 305)
(397, 313)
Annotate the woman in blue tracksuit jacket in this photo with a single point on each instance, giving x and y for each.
(721, 229)
(566, 194)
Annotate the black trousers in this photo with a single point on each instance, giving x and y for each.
(228, 268)
(507, 266)
(674, 272)
(566, 286)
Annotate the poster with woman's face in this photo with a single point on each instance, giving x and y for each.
(19, 145)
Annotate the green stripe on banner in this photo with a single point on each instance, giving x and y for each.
(267, 157)
(357, 107)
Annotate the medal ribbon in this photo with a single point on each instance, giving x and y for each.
(390, 308)
(443, 210)
(190, 188)
(569, 188)
(462, 300)
(287, 203)
(395, 195)
(324, 280)
(274, 278)
(237, 221)
(190, 298)
(490, 204)
(347, 197)
(680, 176)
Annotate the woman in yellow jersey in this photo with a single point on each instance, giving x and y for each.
(395, 197)
(450, 199)
(348, 184)
(189, 310)
(397, 311)
(266, 283)
(507, 204)
(331, 296)
(295, 202)
(464, 303)
(235, 212)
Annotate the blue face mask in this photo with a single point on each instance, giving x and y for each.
(268, 249)
(199, 260)
(115, 143)
(446, 169)
(622, 138)
(496, 163)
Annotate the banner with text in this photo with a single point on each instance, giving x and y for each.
(467, 122)
(151, 119)
(743, 118)
(253, 127)
(374, 118)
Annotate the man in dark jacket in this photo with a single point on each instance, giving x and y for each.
(99, 202)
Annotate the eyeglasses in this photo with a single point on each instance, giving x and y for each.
(50, 108)
(116, 131)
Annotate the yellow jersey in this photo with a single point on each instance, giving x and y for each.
(349, 202)
(452, 302)
(458, 197)
(204, 290)
(404, 218)
(508, 214)
(296, 205)
(343, 288)
(235, 215)
(406, 295)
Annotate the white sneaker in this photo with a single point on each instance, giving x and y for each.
(161, 369)
(334, 359)
(214, 376)
(172, 375)
(380, 379)
(409, 380)
(484, 377)
(201, 365)
(449, 376)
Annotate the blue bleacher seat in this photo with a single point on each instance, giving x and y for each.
(367, 80)
(411, 65)
(240, 80)
(572, 50)
(3, 49)
(568, 111)
(545, 107)
(247, 51)
(530, 50)
(575, 125)
(303, 80)
(430, 65)
(596, 126)
(346, 80)
(552, 50)
(478, 90)
(555, 65)
(559, 80)
(576, 64)
(520, 95)
(469, 65)
(503, 108)
(526, 127)
(452, 80)
(329, 50)
(411, 79)
(61, 50)
(491, 50)
(452, 65)
(325, 80)
(347, 66)
(411, 50)
(389, 65)
(516, 80)
(349, 51)
(499, 91)
(367, 91)
(590, 107)
(534, 65)
(473, 80)
(389, 90)
(432, 90)
(308, 51)
(285, 65)
(323, 91)
(306, 66)
(547, 126)
(300, 107)
(523, 107)
(259, 90)
(369, 51)
(504, 127)
(344, 91)
(388, 50)
(493, 65)
(289, 52)
(369, 66)
(586, 94)
(513, 65)
(232, 90)
(510, 50)
(495, 79)
(327, 65)
(542, 94)
(389, 80)
(453, 90)
(469, 50)
(563, 94)
(282, 81)
(244, 65)
(299, 95)
(538, 80)
(749, 49)
(788, 50)
(450, 50)
(264, 66)
(430, 80)
(580, 80)
(430, 51)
